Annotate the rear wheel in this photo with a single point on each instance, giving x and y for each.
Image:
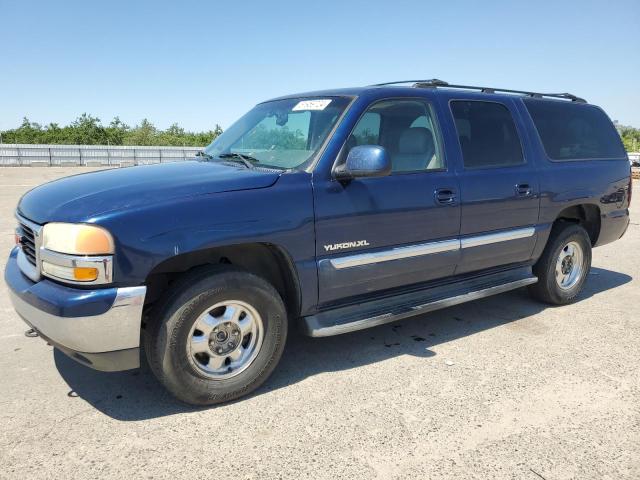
(217, 336)
(564, 265)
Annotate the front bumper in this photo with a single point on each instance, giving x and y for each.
(99, 328)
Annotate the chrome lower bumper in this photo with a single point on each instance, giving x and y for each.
(108, 341)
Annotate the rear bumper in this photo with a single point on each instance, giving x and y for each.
(99, 328)
(613, 226)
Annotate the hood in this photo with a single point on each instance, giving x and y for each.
(81, 197)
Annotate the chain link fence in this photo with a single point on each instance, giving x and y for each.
(90, 155)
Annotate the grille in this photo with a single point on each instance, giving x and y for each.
(28, 243)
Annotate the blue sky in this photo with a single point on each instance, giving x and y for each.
(202, 63)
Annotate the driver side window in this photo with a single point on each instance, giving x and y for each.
(367, 131)
(406, 129)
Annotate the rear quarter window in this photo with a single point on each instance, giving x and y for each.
(574, 131)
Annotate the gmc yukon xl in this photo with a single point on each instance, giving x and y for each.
(333, 211)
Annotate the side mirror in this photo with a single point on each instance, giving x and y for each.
(364, 161)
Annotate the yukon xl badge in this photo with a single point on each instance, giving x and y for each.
(342, 246)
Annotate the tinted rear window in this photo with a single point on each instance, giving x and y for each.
(487, 134)
(572, 131)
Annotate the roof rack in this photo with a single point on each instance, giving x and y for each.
(434, 83)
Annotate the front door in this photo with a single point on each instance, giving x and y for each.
(374, 234)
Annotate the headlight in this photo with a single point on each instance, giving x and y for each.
(77, 239)
(77, 253)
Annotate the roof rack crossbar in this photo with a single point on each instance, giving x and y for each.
(434, 83)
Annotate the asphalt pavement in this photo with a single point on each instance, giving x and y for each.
(498, 388)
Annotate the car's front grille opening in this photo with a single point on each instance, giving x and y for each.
(28, 243)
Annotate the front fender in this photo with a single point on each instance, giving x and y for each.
(281, 215)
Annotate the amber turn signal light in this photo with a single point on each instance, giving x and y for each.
(85, 274)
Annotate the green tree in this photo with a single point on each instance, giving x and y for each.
(143, 134)
(630, 138)
(274, 138)
(116, 131)
(88, 130)
(27, 132)
(52, 133)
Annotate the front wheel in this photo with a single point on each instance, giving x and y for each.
(217, 336)
(564, 265)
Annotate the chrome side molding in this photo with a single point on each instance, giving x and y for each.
(505, 236)
(398, 253)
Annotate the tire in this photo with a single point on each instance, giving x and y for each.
(564, 287)
(191, 369)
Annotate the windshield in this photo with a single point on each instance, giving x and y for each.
(280, 134)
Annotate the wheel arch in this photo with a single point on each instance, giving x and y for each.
(587, 215)
(266, 260)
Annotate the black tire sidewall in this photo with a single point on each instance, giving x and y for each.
(168, 341)
(551, 291)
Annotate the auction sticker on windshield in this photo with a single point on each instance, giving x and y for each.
(312, 105)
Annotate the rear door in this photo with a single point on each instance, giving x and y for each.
(499, 186)
(375, 234)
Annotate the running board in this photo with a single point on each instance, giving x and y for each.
(377, 312)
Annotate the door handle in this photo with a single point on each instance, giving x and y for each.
(523, 190)
(445, 196)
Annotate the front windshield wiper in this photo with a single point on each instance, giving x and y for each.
(247, 160)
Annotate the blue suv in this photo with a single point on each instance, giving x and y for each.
(333, 211)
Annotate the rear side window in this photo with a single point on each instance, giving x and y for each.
(487, 134)
(572, 131)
